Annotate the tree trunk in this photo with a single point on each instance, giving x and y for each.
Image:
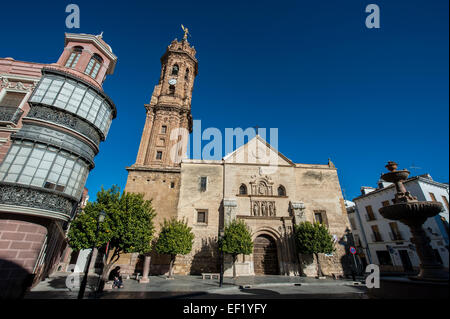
(234, 266)
(300, 263)
(106, 269)
(172, 260)
(319, 268)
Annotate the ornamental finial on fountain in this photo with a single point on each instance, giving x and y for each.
(398, 177)
(391, 166)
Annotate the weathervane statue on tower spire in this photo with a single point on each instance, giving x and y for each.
(186, 32)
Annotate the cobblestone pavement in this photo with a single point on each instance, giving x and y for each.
(278, 287)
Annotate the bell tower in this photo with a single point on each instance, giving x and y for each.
(157, 171)
(169, 121)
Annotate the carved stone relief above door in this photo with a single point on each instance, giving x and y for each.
(263, 208)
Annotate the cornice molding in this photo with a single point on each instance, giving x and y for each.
(153, 169)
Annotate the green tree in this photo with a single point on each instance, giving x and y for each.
(237, 239)
(175, 238)
(128, 225)
(314, 239)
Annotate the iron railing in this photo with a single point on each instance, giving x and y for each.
(10, 114)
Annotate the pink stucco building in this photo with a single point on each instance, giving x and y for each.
(52, 120)
(17, 81)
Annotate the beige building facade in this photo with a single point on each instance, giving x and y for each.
(271, 199)
(254, 183)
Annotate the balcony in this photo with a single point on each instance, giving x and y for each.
(396, 236)
(10, 114)
(376, 237)
(370, 218)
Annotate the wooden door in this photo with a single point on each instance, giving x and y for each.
(265, 259)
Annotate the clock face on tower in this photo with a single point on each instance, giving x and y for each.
(172, 81)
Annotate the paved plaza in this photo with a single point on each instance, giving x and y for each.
(193, 287)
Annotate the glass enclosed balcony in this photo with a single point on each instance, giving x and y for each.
(39, 165)
(76, 97)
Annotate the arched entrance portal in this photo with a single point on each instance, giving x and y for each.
(265, 260)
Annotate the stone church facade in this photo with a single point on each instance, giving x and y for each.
(270, 196)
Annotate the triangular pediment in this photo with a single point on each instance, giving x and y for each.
(258, 151)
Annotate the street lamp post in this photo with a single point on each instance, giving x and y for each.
(100, 220)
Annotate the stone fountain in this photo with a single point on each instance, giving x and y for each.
(432, 280)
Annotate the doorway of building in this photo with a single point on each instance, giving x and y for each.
(406, 261)
(265, 259)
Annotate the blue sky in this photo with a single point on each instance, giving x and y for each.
(332, 87)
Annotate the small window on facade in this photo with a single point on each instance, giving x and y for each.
(158, 155)
(203, 182)
(202, 217)
(94, 65)
(433, 198)
(318, 217)
(376, 236)
(385, 203)
(74, 57)
(172, 185)
(175, 69)
(186, 75)
(243, 190)
(163, 129)
(12, 99)
(281, 191)
(370, 213)
(172, 89)
(395, 232)
(445, 202)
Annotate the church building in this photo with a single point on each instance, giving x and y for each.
(210, 193)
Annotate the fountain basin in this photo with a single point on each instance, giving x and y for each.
(395, 176)
(411, 210)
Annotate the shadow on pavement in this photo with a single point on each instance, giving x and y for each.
(255, 294)
(260, 292)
